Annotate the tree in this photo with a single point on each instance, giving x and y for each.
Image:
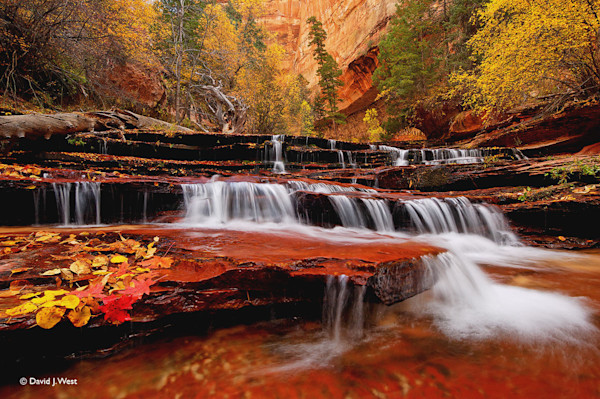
(531, 50)
(374, 129)
(329, 74)
(50, 49)
(408, 59)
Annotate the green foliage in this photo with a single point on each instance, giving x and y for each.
(574, 171)
(329, 74)
(524, 196)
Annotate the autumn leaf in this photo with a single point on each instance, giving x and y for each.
(30, 295)
(118, 259)
(158, 262)
(100, 261)
(80, 318)
(49, 317)
(70, 301)
(93, 290)
(80, 267)
(140, 288)
(22, 309)
(114, 308)
(19, 270)
(52, 272)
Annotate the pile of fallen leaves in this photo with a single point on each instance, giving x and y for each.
(104, 278)
(29, 172)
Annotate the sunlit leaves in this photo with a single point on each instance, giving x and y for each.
(530, 49)
(49, 317)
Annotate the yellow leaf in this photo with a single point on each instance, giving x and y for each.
(24, 308)
(49, 317)
(70, 301)
(150, 253)
(49, 304)
(142, 269)
(55, 292)
(29, 296)
(19, 270)
(8, 243)
(118, 259)
(80, 318)
(562, 238)
(30, 188)
(121, 277)
(100, 272)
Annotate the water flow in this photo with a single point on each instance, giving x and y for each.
(222, 202)
(343, 309)
(341, 158)
(468, 304)
(399, 156)
(459, 215)
(332, 144)
(87, 202)
(277, 155)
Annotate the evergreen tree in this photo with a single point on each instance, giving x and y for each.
(329, 74)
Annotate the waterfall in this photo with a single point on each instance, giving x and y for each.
(222, 202)
(468, 304)
(332, 144)
(459, 215)
(380, 214)
(87, 202)
(341, 158)
(325, 188)
(351, 159)
(277, 155)
(348, 211)
(399, 157)
(343, 309)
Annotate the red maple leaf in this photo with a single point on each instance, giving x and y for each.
(93, 290)
(140, 287)
(115, 307)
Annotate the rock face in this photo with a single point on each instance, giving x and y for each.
(354, 28)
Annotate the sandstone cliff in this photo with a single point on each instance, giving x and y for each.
(354, 28)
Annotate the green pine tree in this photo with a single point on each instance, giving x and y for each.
(329, 75)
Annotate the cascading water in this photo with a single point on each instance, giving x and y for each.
(332, 143)
(399, 157)
(343, 309)
(277, 154)
(221, 202)
(466, 303)
(340, 155)
(87, 202)
(459, 215)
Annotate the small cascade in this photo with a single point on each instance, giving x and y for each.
(380, 214)
(221, 202)
(351, 159)
(277, 154)
(468, 304)
(341, 158)
(343, 309)
(325, 188)
(399, 157)
(459, 215)
(87, 203)
(103, 146)
(348, 211)
(332, 144)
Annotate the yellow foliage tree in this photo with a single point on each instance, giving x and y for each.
(528, 50)
(374, 129)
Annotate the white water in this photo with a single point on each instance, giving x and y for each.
(277, 154)
(86, 202)
(465, 302)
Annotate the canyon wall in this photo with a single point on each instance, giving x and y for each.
(354, 28)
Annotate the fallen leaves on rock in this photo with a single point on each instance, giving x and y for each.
(102, 277)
